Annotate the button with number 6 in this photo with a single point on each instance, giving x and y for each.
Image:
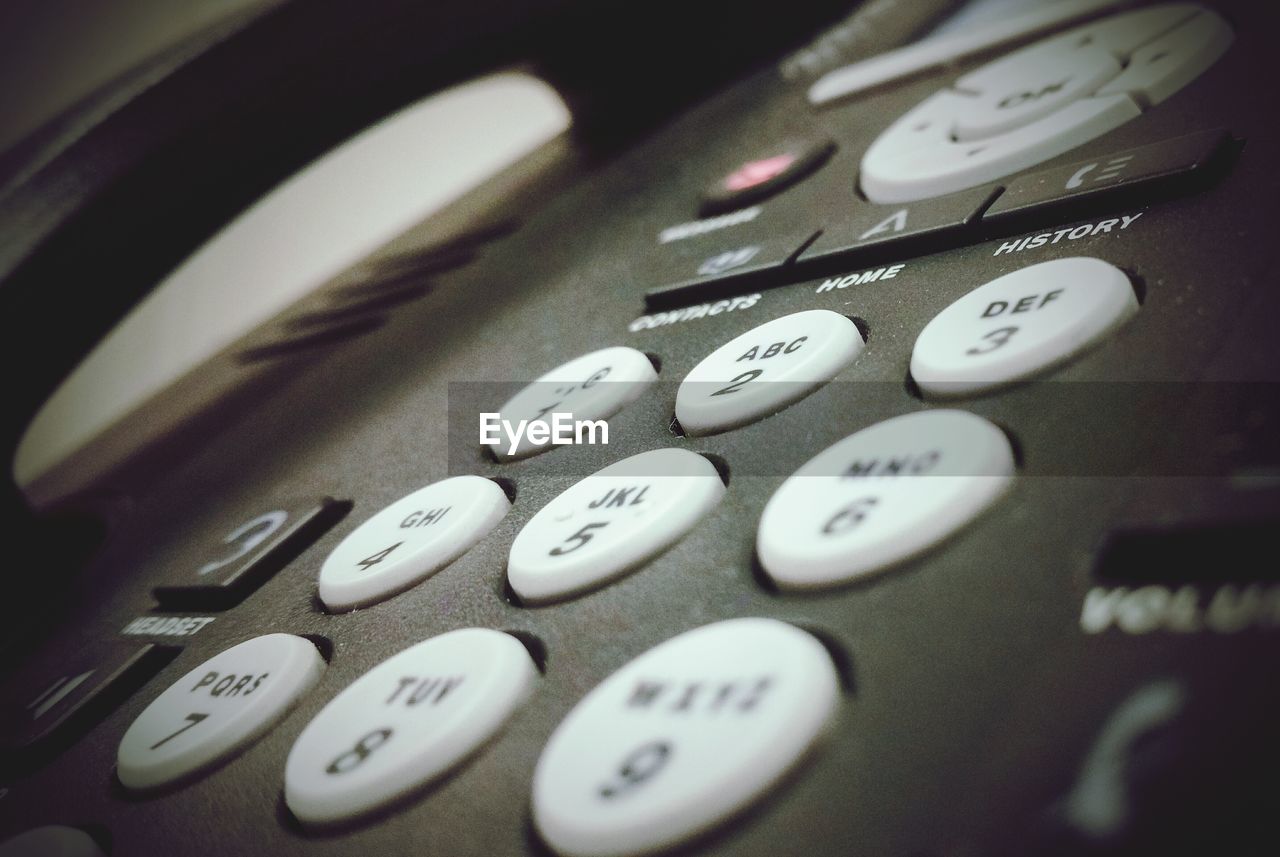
(765, 369)
(405, 722)
(682, 738)
(1021, 324)
(410, 540)
(611, 522)
(217, 709)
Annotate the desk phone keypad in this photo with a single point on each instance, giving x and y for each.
(693, 734)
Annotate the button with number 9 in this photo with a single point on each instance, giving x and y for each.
(682, 738)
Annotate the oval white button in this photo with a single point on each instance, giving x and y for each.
(683, 737)
(407, 721)
(216, 709)
(610, 522)
(410, 540)
(51, 841)
(1020, 324)
(594, 386)
(765, 369)
(882, 495)
(1025, 87)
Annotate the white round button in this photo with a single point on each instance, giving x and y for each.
(880, 496)
(410, 540)
(611, 522)
(216, 709)
(594, 386)
(407, 721)
(765, 369)
(1020, 324)
(51, 841)
(683, 737)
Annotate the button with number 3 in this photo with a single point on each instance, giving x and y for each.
(410, 540)
(682, 738)
(217, 709)
(610, 522)
(1019, 325)
(405, 722)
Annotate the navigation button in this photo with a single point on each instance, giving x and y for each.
(1161, 67)
(1180, 164)
(1025, 87)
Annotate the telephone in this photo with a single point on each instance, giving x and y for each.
(812, 430)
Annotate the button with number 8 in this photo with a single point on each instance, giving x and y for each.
(610, 522)
(410, 540)
(1021, 324)
(405, 722)
(217, 709)
(682, 738)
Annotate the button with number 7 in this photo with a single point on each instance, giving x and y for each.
(215, 710)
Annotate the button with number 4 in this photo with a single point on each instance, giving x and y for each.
(610, 522)
(217, 709)
(410, 540)
(765, 369)
(407, 721)
(1021, 324)
(683, 737)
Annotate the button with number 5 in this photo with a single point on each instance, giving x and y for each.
(682, 738)
(410, 540)
(217, 709)
(1021, 324)
(611, 522)
(765, 369)
(405, 722)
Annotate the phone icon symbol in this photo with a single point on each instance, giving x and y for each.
(1078, 178)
